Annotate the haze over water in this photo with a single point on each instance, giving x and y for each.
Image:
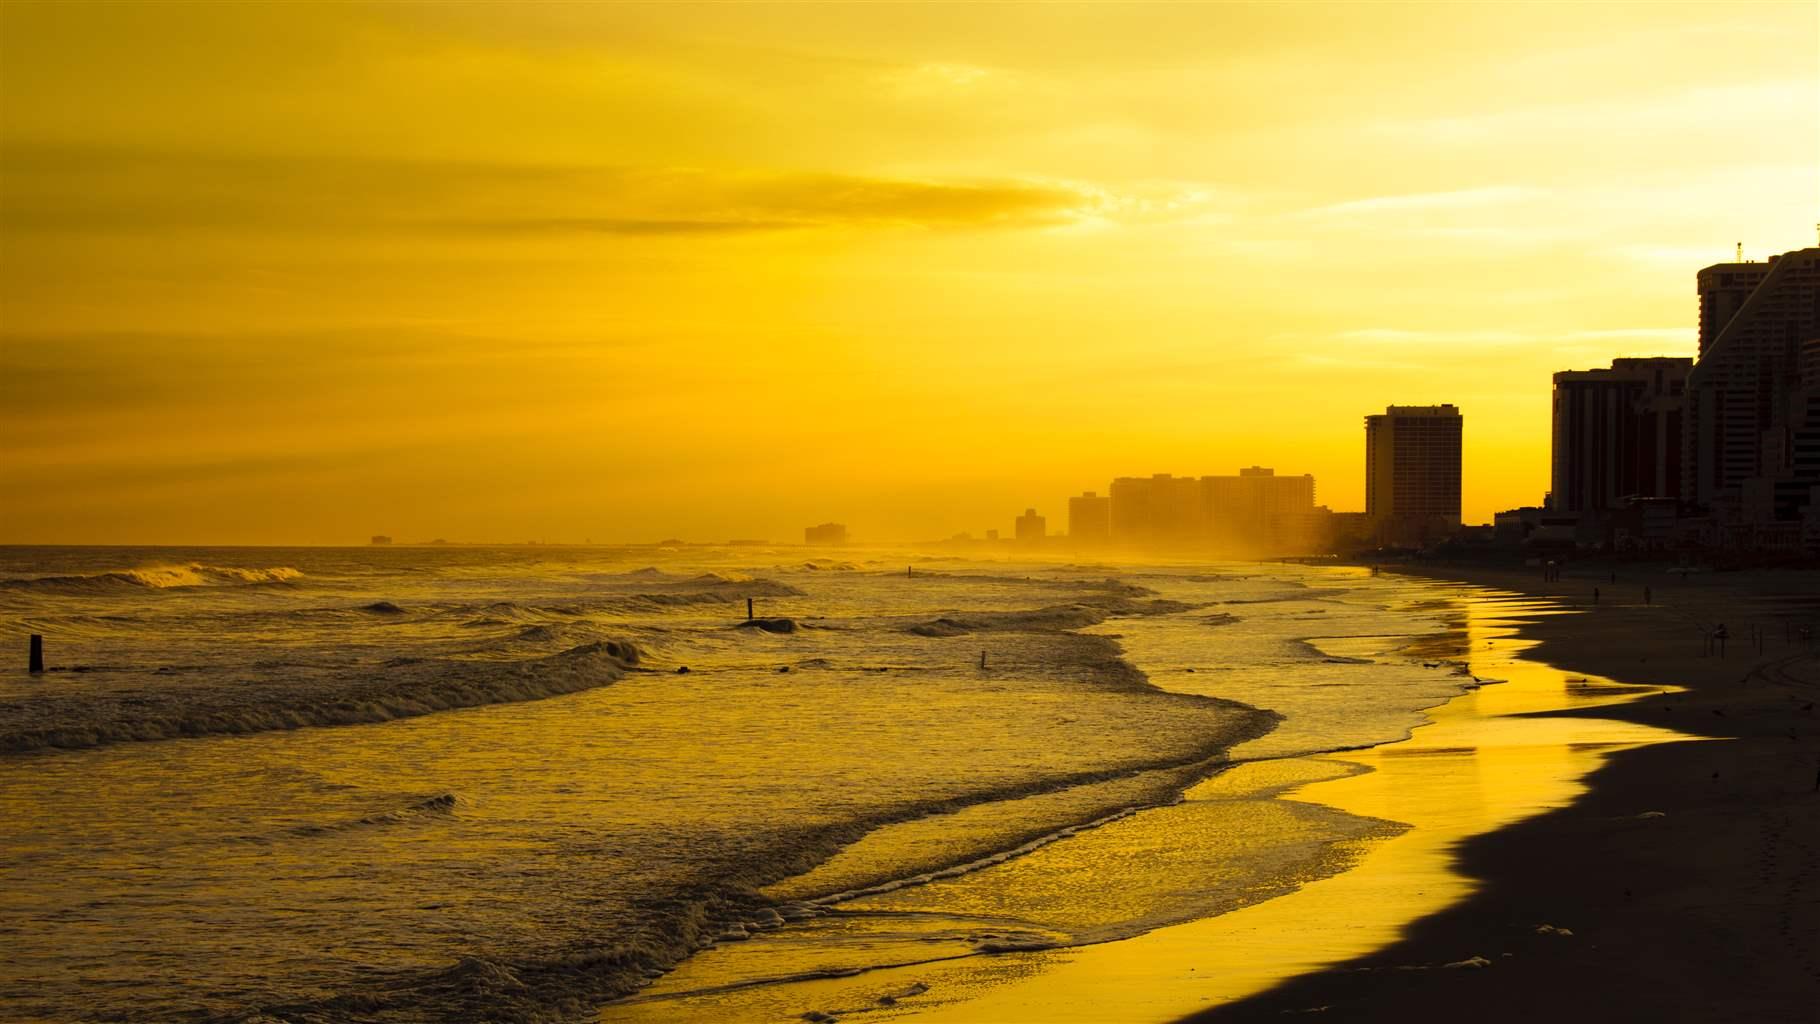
(181, 849)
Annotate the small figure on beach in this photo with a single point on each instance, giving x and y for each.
(1719, 635)
(1646, 595)
(1595, 595)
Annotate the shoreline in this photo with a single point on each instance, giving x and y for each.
(1708, 909)
(1170, 971)
(1482, 761)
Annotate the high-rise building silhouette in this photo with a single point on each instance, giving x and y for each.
(1617, 433)
(1259, 509)
(1751, 437)
(1090, 519)
(1412, 470)
(1031, 527)
(1158, 511)
(1252, 512)
(1723, 287)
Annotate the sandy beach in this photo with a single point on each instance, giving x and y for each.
(1617, 828)
(1687, 873)
(1623, 828)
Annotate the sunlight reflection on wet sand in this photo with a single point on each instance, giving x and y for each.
(1473, 769)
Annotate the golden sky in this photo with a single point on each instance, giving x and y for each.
(301, 273)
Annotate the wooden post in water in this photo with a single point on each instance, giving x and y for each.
(37, 662)
(748, 609)
(982, 659)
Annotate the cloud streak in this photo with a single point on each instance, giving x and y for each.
(94, 191)
(1428, 202)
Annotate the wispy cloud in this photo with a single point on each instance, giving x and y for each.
(77, 191)
(1387, 337)
(1458, 199)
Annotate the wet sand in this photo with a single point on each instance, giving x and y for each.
(1518, 892)
(1688, 874)
(1487, 759)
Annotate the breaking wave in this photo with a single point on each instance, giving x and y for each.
(157, 577)
(1054, 617)
(402, 688)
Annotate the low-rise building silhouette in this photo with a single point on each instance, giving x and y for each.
(825, 533)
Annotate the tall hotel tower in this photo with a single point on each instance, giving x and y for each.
(1752, 425)
(1617, 433)
(1412, 468)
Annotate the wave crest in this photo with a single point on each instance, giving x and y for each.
(159, 577)
(402, 688)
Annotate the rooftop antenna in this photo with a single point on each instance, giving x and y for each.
(1740, 252)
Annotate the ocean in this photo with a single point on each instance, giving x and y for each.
(523, 783)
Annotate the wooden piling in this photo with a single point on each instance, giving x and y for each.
(37, 660)
(748, 609)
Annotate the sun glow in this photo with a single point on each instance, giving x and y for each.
(299, 272)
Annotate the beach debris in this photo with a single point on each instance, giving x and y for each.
(1549, 929)
(1471, 962)
(682, 670)
(769, 625)
(916, 988)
